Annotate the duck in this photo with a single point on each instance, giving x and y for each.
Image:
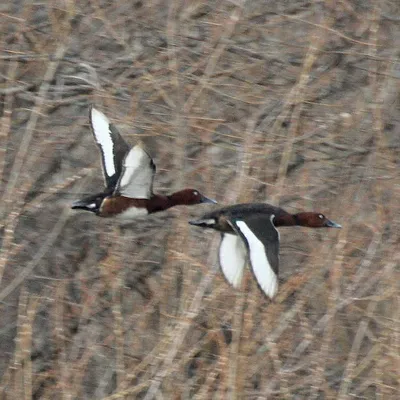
(249, 233)
(128, 175)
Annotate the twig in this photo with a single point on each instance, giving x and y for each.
(50, 240)
(180, 332)
(30, 128)
(220, 48)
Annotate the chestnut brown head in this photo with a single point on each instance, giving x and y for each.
(315, 220)
(189, 197)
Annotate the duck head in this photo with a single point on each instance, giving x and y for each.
(314, 220)
(189, 197)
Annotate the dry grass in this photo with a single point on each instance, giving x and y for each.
(295, 103)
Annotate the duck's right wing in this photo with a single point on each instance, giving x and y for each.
(112, 146)
(137, 174)
(262, 241)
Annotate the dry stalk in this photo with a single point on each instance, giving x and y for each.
(296, 97)
(26, 345)
(234, 383)
(117, 285)
(230, 88)
(13, 375)
(320, 325)
(335, 295)
(47, 244)
(6, 118)
(22, 154)
(180, 332)
(227, 32)
(353, 355)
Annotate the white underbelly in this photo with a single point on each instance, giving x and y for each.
(132, 213)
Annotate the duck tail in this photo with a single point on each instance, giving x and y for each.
(204, 223)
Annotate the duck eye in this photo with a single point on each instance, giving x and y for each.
(196, 193)
(320, 216)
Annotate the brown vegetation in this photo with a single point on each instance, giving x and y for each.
(291, 102)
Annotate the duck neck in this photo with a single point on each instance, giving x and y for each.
(299, 219)
(176, 199)
(159, 203)
(305, 219)
(286, 220)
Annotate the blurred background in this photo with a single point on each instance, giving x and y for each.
(295, 103)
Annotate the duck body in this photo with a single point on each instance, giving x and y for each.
(220, 219)
(123, 207)
(128, 174)
(248, 232)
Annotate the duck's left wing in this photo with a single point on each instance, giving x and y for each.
(262, 241)
(137, 175)
(112, 146)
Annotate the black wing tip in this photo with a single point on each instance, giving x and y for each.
(152, 165)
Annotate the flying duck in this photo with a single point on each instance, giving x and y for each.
(128, 174)
(248, 231)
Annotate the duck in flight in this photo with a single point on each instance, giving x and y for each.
(248, 231)
(128, 174)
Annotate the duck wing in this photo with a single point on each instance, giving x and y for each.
(137, 175)
(113, 147)
(232, 258)
(262, 241)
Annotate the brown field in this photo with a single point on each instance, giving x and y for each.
(295, 103)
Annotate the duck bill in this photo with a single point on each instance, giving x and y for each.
(331, 224)
(205, 199)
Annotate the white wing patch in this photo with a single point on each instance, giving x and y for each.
(137, 175)
(102, 134)
(263, 272)
(133, 161)
(232, 258)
